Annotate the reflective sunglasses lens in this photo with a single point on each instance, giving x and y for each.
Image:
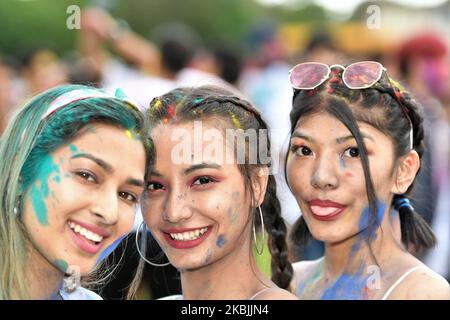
(362, 75)
(307, 76)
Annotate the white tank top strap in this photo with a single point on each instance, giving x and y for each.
(259, 292)
(399, 280)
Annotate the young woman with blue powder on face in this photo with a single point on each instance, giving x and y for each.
(355, 150)
(73, 168)
(214, 208)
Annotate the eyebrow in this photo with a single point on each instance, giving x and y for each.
(203, 165)
(349, 137)
(297, 134)
(338, 140)
(105, 166)
(98, 161)
(135, 182)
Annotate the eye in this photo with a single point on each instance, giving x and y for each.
(351, 152)
(128, 196)
(203, 180)
(89, 177)
(154, 186)
(301, 151)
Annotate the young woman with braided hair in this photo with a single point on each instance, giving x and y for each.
(208, 208)
(355, 150)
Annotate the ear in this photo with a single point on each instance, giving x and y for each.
(259, 184)
(406, 172)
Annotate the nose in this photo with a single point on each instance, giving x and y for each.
(176, 207)
(324, 176)
(106, 206)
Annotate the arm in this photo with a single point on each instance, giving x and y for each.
(98, 27)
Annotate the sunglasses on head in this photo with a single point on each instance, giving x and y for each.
(358, 75)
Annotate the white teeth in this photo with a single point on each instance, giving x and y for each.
(189, 235)
(84, 232)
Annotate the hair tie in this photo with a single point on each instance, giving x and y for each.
(401, 203)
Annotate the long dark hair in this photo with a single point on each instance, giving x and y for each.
(387, 107)
(219, 105)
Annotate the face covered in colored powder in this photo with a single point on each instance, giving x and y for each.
(325, 173)
(197, 209)
(84, 197)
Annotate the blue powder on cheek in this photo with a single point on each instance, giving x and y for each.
(39, 193)
(220, 241)
(342, 163)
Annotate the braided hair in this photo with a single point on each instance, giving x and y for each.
(390, 109)
(227, 108)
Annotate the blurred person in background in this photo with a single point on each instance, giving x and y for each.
(42, 70)
(154, 68)
(137, 69)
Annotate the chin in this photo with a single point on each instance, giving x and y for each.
(191, 264)
(327, 236)
(82, 266)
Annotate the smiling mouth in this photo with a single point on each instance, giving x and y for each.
(90, 236)
(188, 235)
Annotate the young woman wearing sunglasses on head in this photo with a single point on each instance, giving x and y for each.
(206, 210)
(355, 150)
(72, 166)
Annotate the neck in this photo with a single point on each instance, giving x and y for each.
(350, 255)
(354, 265)
(356, 268)
(234, 276)
(44, 278)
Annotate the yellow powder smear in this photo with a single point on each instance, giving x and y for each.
(235, 121)
(158, 104)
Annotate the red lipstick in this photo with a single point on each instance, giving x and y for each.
(325, 210)
(185, 243)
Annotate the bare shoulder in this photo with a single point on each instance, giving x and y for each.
(276, 294)
(303, 269)
(422, 284)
